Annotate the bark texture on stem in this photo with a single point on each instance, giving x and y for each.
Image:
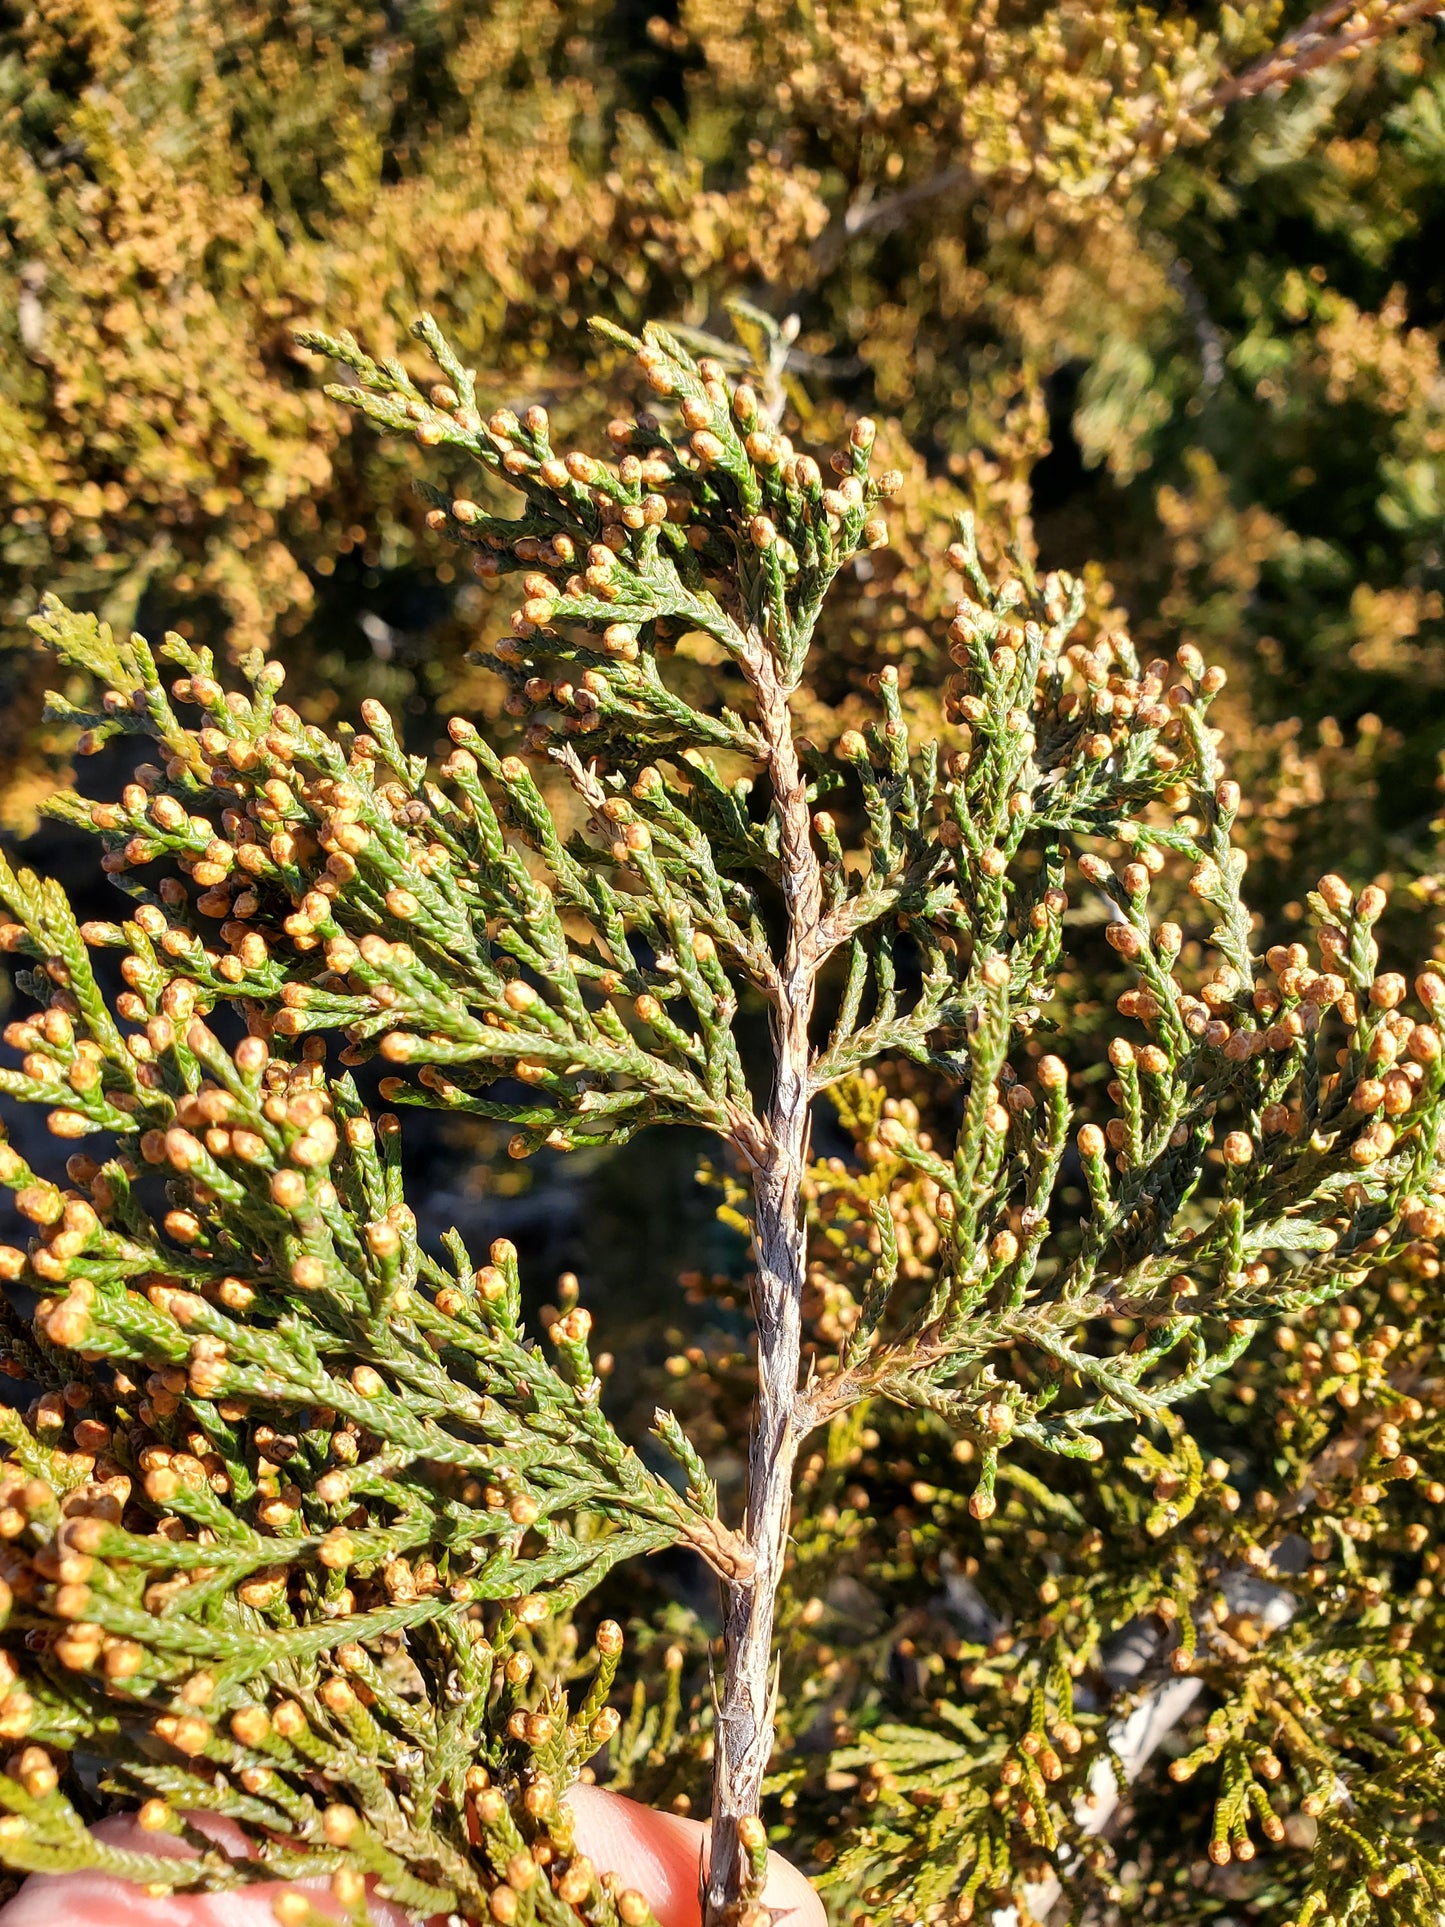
(745, 1710)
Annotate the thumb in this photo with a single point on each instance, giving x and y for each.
(665, 1857)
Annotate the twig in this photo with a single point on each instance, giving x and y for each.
(745, 1714)
(1317, 45)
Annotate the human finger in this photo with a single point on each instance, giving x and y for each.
(663, 1855)
(90, 1898)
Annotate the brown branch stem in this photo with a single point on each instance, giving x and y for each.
(1316, 45)
(745, 1710)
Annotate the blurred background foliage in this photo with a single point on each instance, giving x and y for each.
(1199, 350)
(1180, 335)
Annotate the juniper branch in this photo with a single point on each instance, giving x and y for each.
(312, 1436)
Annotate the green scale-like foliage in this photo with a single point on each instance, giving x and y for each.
(1268, 1614)
(299, 1500)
